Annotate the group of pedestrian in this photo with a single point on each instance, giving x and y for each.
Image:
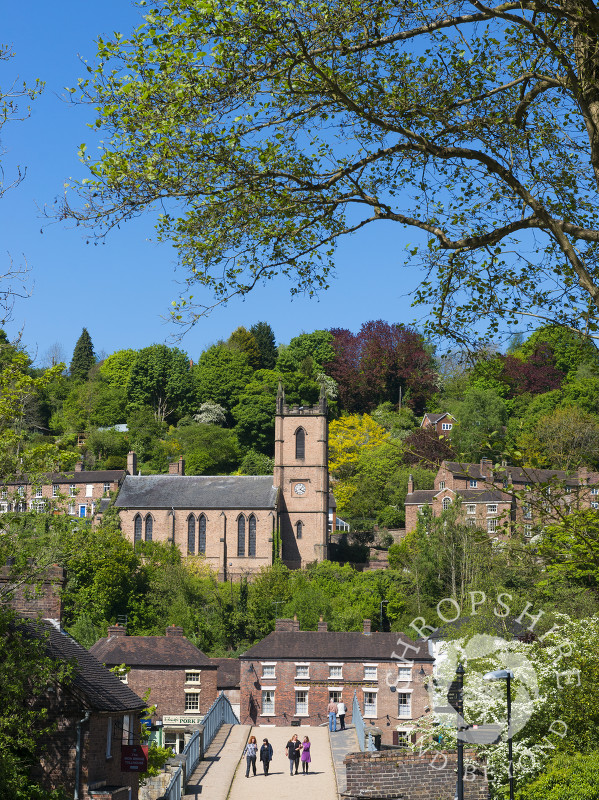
(297, 751)
(251, 753)
(334, 709)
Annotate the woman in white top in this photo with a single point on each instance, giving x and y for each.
(342, 711)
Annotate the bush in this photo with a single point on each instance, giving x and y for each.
(391, 517)
(567, 777)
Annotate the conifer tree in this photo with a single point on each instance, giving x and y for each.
(83, 356)
(265, 339)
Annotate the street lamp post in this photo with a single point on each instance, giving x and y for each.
(506, 675)
(460, 712)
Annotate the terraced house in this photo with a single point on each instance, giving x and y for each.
(505, 499)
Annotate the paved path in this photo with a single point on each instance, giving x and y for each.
(279, 785)
(342, 743)
(215, 772)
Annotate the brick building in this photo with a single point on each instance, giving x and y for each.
(78, 493)
(291, 675)
(502, 500)
(95, 716)
(233, 520)
(442, 424)
(181, 679)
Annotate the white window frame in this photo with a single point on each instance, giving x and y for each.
(335, 665)
(21, 491)
(127, 729)
(305, 666)
(4, 493)
(404, 732)
(55, 490)
(4, 507)
(446, 426)
(271, 665)
(192, 700)
(72, 509)
(368, 714)
(491, 508)
(89, 489)
(595, 504)
(446, 503)
(39, 491)
(333, 692)
(527, 531)
(193, 676)
(471, 508)
(595, 490)
(73, 490)
(491, 525)
(404, 674)
(441, 484)
(106, 487)
(407, 705)
(473, 483)
(305, 712)
(268, 713)
(371, 668)
(527, 511)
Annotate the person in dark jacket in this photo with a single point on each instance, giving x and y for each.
(266, 755)
(293, 750)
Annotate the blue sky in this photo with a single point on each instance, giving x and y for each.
(122, 290)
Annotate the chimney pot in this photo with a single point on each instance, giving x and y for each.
(322, 625)
(174, 630)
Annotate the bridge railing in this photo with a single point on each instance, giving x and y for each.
(220, 713)
(365, 740)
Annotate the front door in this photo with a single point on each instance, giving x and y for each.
(82, 511)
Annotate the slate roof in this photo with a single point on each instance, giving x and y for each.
(229, 671)
(434, 418)
(85, 476)
(333, 646)
(421, 496)
(150, 651)
(197, 491)
(518, 474)
(483, 496)
(97, 688)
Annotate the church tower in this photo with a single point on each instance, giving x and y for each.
(302, 476)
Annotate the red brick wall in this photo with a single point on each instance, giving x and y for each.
(56, 766)
(412, 776)
(34, 600)
(318, 685)
(168, 688)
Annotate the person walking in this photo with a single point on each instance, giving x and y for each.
(250, 752)
(266, 755)
(293, 751)
(342, 711)
(305, 755)
(332, 712)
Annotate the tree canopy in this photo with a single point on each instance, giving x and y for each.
(263, 132)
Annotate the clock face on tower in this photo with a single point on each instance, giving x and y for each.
(299, 489)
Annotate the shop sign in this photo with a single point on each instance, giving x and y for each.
(181, 719)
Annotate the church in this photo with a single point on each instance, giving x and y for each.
(238, 522)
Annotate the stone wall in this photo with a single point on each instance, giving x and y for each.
(399, 775)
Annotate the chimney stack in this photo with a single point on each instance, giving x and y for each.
(295, 623)
(322, 625)
(174, 630)
(79, 466)
(367, 630)
(284, 625)
(177, 467)
(411, 484)
(117, 630)
(132, 462)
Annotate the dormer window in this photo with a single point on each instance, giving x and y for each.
(473, 483)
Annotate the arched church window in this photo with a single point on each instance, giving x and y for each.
(241, 536)
(137, 528)
(191, 535)
(252, 537)
(299, 529)
(149, 527)
(202, 535)
(300, 443)
(446, 503)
